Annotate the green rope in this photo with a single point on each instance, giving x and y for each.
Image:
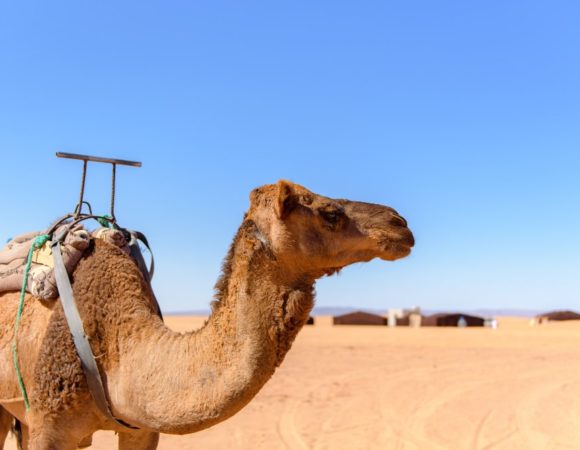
(105, 221)
(38, 242)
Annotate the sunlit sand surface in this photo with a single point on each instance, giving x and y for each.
(366, 387)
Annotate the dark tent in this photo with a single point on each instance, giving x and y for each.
(558, 315)
(452, 320)
(310, 321)
(359, 318)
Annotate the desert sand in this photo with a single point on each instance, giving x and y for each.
(367, 387)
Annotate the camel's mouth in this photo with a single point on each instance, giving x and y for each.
(397, 246)
(395, 251)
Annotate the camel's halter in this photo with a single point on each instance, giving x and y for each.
(71, 312)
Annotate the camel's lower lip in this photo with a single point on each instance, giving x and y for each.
(394, 251)
(404, 249)
(402, 241)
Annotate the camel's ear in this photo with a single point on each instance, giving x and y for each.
(255, 195)
(286, 200)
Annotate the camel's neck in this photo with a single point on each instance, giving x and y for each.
(181, 383)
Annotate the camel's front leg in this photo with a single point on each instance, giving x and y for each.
(20, 430)
(138, 440)
(24, 437)
(5, 423)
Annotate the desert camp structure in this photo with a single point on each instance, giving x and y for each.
(452, 320)
(398, 317)
(411, 317)
(359, 318)
(557, 316)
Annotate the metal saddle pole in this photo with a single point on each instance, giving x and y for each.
(73, 318)
(85, 159)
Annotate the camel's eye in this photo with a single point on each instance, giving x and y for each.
(307, 199)
(332, 216)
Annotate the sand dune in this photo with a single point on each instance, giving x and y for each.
(351, 387)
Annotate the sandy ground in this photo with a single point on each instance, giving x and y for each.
(348, 387)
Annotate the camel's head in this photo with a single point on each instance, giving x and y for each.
(320, 235)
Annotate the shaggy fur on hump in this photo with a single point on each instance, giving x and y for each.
(104, 273)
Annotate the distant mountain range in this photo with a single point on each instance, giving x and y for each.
(338, 310)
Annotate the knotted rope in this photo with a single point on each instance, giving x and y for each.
(37, 243)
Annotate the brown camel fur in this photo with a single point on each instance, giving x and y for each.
(163, 381)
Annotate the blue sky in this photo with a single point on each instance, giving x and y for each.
(462, 115)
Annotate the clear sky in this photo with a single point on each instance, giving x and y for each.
(464, 116)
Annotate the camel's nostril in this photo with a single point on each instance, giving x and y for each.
(398, 221)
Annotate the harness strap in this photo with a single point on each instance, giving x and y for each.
(142, 238)
(136, 254)
(80, 339)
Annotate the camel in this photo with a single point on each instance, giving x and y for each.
(161, 381)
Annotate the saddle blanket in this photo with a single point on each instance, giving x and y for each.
(41, 282)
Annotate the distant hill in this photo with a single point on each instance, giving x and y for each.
(193, 312)
(505, 312)
(339, 310)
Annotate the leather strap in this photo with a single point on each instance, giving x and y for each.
(80, 339)
(138, 258)
(142, 238)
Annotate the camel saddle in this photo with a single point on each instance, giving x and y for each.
(48, 278)
(41, 278)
